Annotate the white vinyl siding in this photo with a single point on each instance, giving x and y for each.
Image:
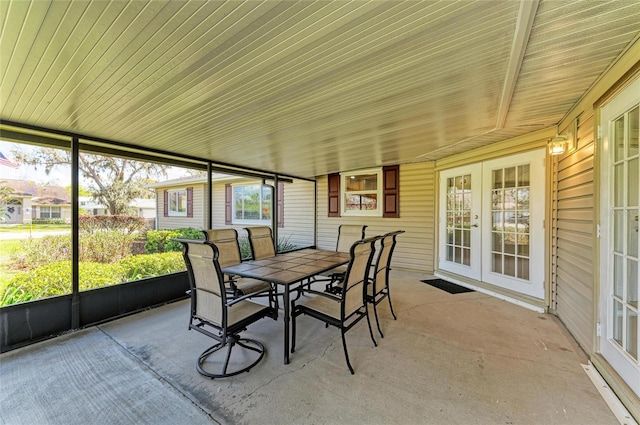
(572, 242)
(414, 250)
(173, 222)
(298, 212)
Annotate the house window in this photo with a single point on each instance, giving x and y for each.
(252, 204)
(177, 202)
(50, 212)
(361, 192)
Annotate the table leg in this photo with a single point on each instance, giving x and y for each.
(287, 319)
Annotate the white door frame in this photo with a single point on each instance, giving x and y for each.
(480, 266)
(473, 270)
(534, 286)
(622, 362)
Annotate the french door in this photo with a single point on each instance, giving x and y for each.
(460, 209)
(619, 211)
(491, 222)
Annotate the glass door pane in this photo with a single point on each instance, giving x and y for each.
(458, 225)
(624, 232)
(459, 230)
(513, 236)
(510, 221)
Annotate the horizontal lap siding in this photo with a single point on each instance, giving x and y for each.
(573, 254)
(414, 250)
(298, 212)
(171, 222)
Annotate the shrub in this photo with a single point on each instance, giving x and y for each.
(105, 247)
(49, 221)
(122, 223)
(55, 279)
(38, 252)
(245, 248)
(157, 239)
(286, 245)
(102, 247)
(160, 240)
(142, 266)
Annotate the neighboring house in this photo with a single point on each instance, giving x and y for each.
(237, 202)
(143, 207)
(51, 202)
(31, 201)
(18, 206)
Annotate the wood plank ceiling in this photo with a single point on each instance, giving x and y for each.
(306, 87)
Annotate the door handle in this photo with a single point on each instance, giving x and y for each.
(474, 225)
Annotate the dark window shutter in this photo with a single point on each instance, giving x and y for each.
(166, 203)
(334, 195)
(391, 191)
(189, 202)
(280, 204)
(228, 200)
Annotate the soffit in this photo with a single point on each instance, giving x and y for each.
(305, 88)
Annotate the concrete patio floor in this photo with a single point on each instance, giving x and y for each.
(448, 359)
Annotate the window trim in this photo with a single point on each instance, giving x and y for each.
(171, 212)
(378, 192)
(235, 220)
(49, 210)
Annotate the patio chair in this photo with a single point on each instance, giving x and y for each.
(226, 240)
(261, 242)
(219, 317)
(346, 310)
(378, 287)
(348, 234)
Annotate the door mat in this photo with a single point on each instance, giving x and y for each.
(451, 288)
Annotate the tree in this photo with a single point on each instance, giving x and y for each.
(5, 195)
(112, 181)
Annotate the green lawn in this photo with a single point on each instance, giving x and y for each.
(6, 249)
(15, 228)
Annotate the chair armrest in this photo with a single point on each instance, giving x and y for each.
(324, 294)
(247, 296)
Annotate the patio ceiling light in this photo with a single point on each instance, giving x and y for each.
(561, 144)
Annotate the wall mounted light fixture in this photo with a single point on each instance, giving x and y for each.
(562, 143)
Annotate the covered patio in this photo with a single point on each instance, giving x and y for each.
(449, 358)
(417, 99)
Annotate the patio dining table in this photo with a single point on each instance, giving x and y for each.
(289, 270)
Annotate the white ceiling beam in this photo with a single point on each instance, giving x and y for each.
(526, 16)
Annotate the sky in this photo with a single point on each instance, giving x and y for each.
(58, 177)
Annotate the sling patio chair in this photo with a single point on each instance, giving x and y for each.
(261, 242)
(226, 240)
(348, 234)
(219, 317)
(347, 309)
(378, 287)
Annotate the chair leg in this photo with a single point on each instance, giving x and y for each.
(226, 362)
(366, 312)
(375, 313)
(390, 306)
(223, 367)
(346, 353)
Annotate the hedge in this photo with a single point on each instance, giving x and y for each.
(55, 278)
